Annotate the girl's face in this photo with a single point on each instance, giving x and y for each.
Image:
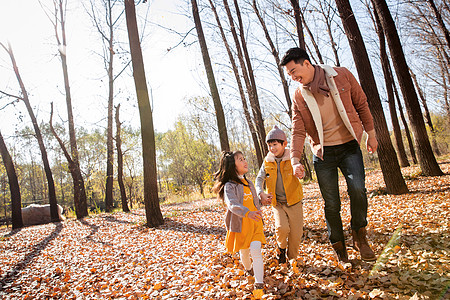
(241, 164)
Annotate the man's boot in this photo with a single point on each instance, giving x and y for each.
(282, 256)
(360, 243)
(341, 252)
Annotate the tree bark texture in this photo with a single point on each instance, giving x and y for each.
(78, 191)
(427, 160)
(401, 153)
(16, 200)
(123, 194)
(405, 123)
(395, 184)
(152, 208)
(221, 124)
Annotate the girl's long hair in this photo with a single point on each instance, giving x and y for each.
(227, 172)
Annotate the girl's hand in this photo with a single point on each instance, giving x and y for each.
(266, 199)
(255, 215)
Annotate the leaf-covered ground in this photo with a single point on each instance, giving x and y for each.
(114, 256)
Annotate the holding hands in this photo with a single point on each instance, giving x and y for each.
(266, 199)
(299, 170)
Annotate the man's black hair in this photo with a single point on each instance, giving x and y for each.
(298, 55)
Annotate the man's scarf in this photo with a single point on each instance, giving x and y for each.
(319, 83)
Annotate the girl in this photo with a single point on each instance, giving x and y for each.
(243, 218)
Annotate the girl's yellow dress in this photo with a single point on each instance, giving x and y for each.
(251, 230)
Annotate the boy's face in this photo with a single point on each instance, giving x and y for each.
(241, 164)
(276, 148)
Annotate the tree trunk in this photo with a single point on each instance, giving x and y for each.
(426, 114)
(221, 124)
(75, 172)
(445, 74)
(123, 194)
(248, 118)
(395, 184)
(427, 161)
(109, 203)
(16, 200)
(152, 209)
(48, 172)
(253, 94)
(79, 193)
(298, 23)
(404, 122)
(401, 153)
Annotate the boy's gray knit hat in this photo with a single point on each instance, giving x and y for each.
(276, 134)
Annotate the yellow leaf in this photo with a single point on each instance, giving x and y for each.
(157, 286)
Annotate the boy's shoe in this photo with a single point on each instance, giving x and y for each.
(281, 256)
(249, 272)
(258, 291)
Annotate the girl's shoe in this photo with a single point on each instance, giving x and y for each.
(258, 291)
(249, 272)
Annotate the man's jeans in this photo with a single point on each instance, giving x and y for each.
(348, 158)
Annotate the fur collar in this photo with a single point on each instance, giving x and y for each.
(286, 156)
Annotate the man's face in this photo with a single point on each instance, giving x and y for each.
(303, 73)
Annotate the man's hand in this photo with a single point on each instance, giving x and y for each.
(299, 170)
(372, 144)
(266, 199)
(255, 215)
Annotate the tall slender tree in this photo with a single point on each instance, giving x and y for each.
(248, 118)
(16, 200)
(221, 124)
(123, 194)
(247, 71)
(79, 192)
(107, 35)
(388, 80)
(427, 160)
(395, 184)
(151, 200)
(48, 171)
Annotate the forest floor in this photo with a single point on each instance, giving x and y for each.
(115, 256)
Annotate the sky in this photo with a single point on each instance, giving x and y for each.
(171, 75)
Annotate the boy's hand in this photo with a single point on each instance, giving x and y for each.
(255, 215)
(266, 199)
(299, 170)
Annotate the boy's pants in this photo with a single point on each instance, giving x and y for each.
(289, 227)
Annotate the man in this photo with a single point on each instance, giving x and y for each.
(331, 108)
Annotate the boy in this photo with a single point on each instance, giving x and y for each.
(284, 193)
